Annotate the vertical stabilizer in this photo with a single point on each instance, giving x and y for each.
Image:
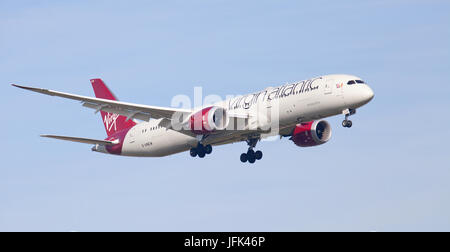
(113, 122)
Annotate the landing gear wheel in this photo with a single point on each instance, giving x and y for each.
(258, 155)
(347, 123)
(201, 154)
(243, 157)
(208, 149)
(193, 152)
(251, 159)
(251, 156)
(201, 151)
(344, 123)
(348, 112)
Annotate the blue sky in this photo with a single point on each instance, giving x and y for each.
(390, 172)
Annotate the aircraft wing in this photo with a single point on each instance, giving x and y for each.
(82, 140)
(130, 110)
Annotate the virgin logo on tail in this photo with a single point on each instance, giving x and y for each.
(111, 121)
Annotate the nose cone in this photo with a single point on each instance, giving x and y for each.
(368, 94)
(360, 96)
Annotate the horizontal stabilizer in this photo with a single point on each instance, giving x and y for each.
(82, 140)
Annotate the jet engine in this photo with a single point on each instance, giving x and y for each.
(208, 120)
(311, 133)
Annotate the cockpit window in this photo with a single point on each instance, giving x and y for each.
(355, 82)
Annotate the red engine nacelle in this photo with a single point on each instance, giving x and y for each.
(311, 133)
(208, 120)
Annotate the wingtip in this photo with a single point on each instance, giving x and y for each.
(39, 90)
(19, 86)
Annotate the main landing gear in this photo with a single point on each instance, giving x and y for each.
(201, 151)
(348, 112)
(251, 156)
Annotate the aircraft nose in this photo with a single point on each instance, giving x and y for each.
(369, 94)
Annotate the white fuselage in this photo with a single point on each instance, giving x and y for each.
(296, 102)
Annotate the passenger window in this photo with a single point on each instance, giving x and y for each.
(351, 82)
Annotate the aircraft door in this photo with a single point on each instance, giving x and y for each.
(132, 135)
(328, 87)
(340, 92)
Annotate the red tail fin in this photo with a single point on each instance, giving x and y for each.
(113, 122)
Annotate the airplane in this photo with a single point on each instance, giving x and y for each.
(295, 110)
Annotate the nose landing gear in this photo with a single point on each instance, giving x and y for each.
(348, 112)
(347, 123)
(251, 156)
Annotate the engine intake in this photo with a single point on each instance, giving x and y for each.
(311, 133)
(208, 120)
